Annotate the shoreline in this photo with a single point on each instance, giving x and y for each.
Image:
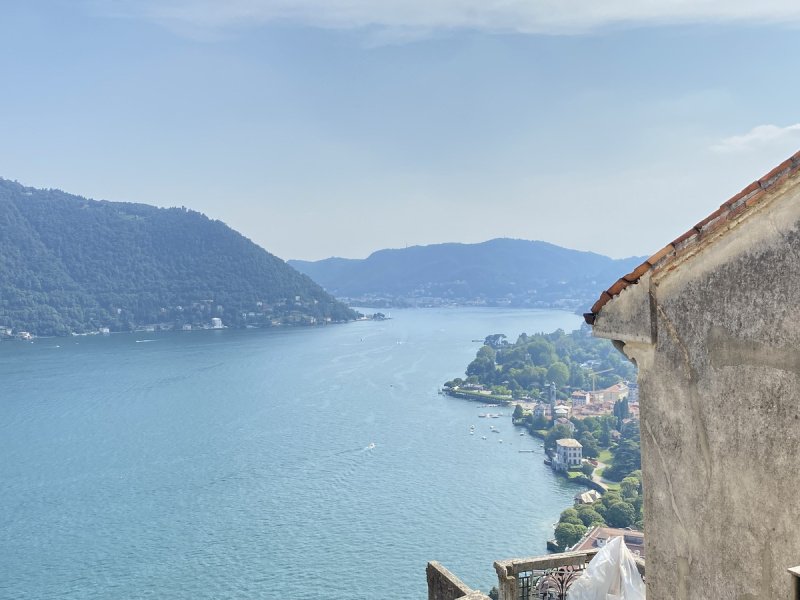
(581, 481)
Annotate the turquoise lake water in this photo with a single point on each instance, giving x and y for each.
(237, 464)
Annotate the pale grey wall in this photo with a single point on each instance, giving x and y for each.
(717, 340)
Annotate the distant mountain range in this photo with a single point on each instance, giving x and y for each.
(72, 265)
(499, 272)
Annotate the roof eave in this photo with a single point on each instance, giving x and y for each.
(729, 210)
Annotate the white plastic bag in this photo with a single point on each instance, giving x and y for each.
(610, 575)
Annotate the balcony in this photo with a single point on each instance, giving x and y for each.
(537, 578)
(544, 577)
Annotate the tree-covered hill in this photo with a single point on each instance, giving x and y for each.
(528, 366)
(499, 272)
(68, 264)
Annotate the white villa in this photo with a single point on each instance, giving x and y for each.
(569, 453)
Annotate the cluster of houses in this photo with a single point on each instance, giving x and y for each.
(568, 452)
(7, 333)
(590, 404)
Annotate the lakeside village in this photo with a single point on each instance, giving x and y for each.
(589, 437)
(253, 320)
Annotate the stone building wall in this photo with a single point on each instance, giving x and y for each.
(716, 336)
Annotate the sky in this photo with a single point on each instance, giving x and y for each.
(325, 128)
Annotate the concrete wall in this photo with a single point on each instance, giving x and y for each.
(716, 337)
(443, 585)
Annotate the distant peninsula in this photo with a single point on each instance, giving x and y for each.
(499, 272)
(69, 265)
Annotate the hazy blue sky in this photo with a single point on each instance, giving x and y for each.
(338, 127)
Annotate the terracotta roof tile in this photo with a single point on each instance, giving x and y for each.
(656, 258)
(604, 297)
(618, 286)
(729, 210)
(634, 275)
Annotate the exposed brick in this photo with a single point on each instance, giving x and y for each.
(756, 185)
(755, 199)
(680, 239)
(735, 212)
(776, 173)
(720, 211)
(719, 222)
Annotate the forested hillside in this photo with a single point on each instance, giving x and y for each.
(526, 367)
(498, 272)
(68, 264)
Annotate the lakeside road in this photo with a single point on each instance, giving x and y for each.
(599, 480)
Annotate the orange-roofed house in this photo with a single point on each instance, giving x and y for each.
(618, 391)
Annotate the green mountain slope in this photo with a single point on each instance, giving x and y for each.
(68, 264)
(499, 271)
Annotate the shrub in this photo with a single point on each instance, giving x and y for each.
(569, 534)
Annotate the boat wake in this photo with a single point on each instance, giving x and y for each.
(371, 446)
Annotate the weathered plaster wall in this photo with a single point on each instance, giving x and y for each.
(443, 585)
(719, 382)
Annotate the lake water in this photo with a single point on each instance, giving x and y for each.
(237, 464)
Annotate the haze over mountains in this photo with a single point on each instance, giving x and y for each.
(72, 265)
(499, 272)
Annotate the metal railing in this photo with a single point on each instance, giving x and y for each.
(544, 577)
